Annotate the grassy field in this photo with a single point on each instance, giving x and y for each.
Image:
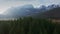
(29, 25)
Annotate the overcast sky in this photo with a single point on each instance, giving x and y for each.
(5, 4)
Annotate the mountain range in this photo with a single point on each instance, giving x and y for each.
(29, 10)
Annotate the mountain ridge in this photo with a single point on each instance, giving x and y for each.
(27, 10)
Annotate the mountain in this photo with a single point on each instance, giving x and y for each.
(20, 11)
(53, 14)
(52, 6)
(28, 10)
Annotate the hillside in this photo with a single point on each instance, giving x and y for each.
(54, 13)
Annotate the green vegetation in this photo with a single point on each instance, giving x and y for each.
(29, 25)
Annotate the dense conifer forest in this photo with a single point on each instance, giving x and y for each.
(29, 25)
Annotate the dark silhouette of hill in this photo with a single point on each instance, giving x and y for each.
(53, 13)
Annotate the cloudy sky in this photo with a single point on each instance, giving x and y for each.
(5, 4)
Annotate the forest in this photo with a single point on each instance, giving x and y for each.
(29, 25)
